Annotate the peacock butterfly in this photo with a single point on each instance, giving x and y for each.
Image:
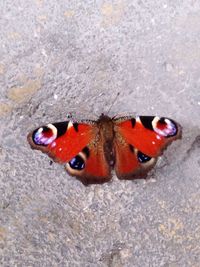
(91, 149)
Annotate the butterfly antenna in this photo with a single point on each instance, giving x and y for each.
(112, 104)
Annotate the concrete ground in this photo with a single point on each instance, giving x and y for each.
(73, 57)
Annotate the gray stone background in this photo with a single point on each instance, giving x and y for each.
(73, 57)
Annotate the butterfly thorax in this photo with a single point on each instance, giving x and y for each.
(106, 128)
(107, 134)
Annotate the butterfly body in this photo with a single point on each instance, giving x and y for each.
(91, 149)
(106, 133)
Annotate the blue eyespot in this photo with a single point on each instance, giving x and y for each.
(142, 157)
(77, 163)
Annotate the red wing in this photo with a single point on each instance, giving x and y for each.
(148, 134)
(140, 141)
(63, 140)
(74, 144)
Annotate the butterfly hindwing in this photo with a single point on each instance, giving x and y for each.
(90, 165)
(130, 162)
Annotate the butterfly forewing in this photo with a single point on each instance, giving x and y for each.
(62, 141)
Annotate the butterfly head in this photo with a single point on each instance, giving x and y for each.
(104, 118)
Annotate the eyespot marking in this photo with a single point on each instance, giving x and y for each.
(142, 158)
(77, 163)
(44, 135)
(165, 127)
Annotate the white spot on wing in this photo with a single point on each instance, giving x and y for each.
(154, 122)
(138, 119)
(70, 124)
(40, 130)
(53, 128)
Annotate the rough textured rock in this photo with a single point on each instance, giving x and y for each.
(61, 57)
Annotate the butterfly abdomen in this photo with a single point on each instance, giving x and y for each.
(109, 152)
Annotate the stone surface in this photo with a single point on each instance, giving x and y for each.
(73, 57)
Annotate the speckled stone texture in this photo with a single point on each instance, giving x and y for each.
(73, 57)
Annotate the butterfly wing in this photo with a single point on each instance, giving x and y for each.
(140, 141)
(90, 165)
(77, 145)
(128, 165)
(61, 141)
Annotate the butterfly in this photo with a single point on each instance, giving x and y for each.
(90, 149)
